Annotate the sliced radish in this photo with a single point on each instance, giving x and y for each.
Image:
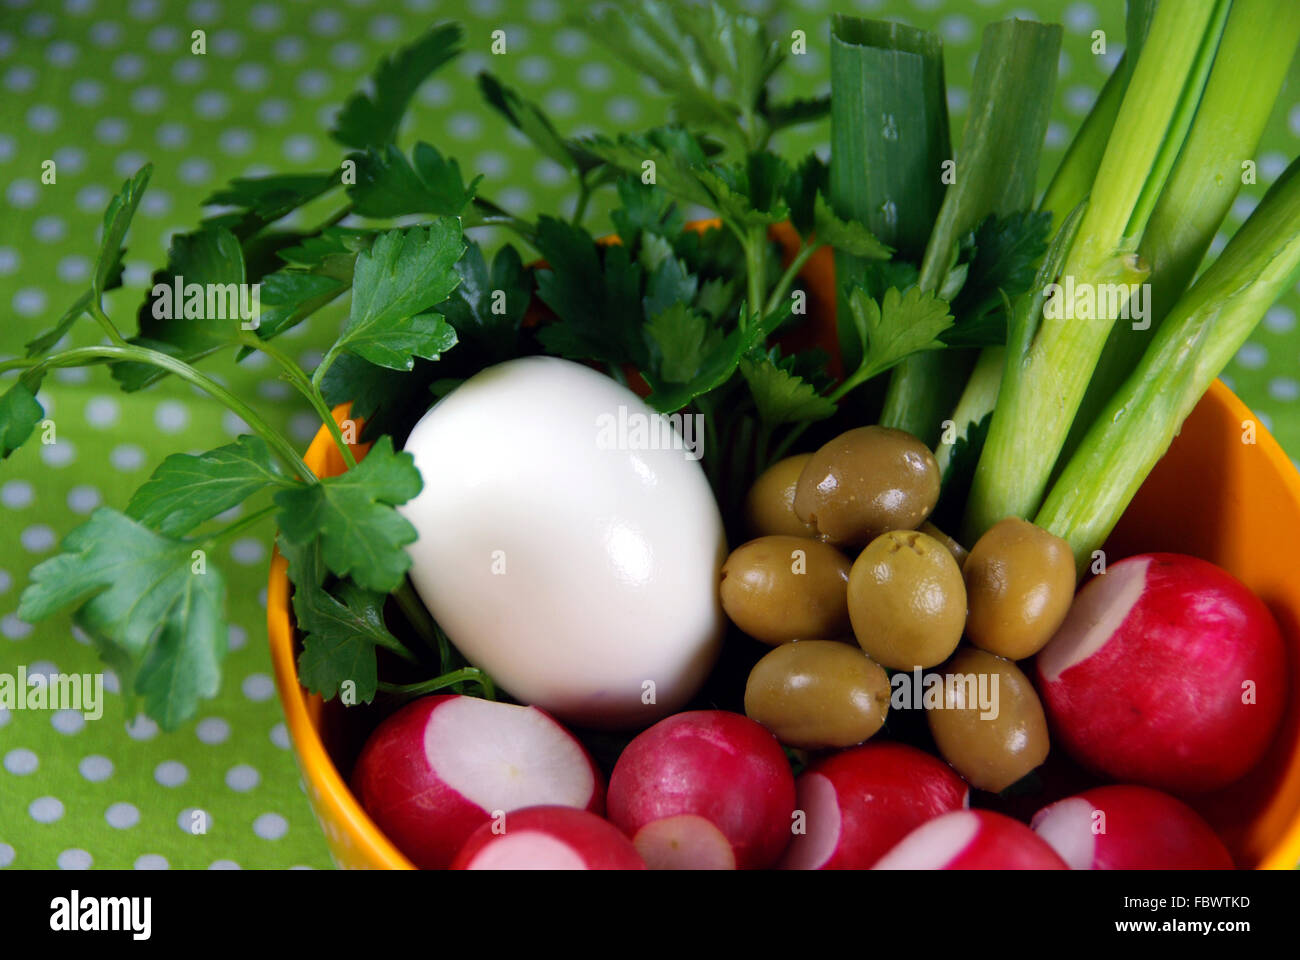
(704, 790)
(1130, 828)
(548, 838)
(860, 802)
(1167, 672)
(971, 840)
(436, 770)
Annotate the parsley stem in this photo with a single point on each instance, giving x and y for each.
(239, 526)
(755, 243)
(787, 279)
(334, 220)
(584, 195)
(463, 675)
(295, 375)
(83, 356)
(101, 318)
(418, 617)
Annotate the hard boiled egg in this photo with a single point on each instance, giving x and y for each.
(569, 543)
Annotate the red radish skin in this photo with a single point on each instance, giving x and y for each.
(1130, 828)
(1148, 679)
(706, 789)
(858, 803)
(971, 840)
(548, 838)
(436, 770)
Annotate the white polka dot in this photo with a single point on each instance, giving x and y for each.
(44, 667)
(68, 722)
(152, 861)
(5, 581)
(435, 93)
(171, 773)
(6, 855)
(1079, 100)
(142, 728)
(270, 826)
(247, 551)
(237, 637)
(5, 716)
(17, 494)
(266, 16)
(72, 374)
(58, 454)
(45, 809)
(75, 859)
(258, 687)
(250, 76)
(74, 269)
(126, 457)
(242, 778)
(21, 194)
(92, 199)
(111, 683)
(464, 126)
(274, 390)
(228, 43)
(102, 411)
(1252, 356)
(280, 736)
(147, 99)
(211, 104)
(87, 92)
(9, 260)
(95, 768)
(145, 9)
(223, 865)
(49, 229)
(194, 821)
(570, 42)
(14, 628)
(1283, 388)
(1280, 319)
(112, 130)
(517, 198)
(233, 424)
(212, 730)
(386, 28)
(290, 49)
(171, 417)
(21, 762)
(122, 816)
(83, 499)
(189, 70)
(1272, 164)
(38, 538)
(195, 170)
(106, 33)
(299, 147)
(236, 141)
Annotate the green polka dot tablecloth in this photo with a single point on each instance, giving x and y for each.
(101, 86)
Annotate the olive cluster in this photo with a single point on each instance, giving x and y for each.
(847, 579)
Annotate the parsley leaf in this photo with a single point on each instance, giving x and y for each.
(266, 199)
(528, 119)
(395, 282)
(597, 299)
(487, 308)
(643, 209)
(137, 585)
(678, 338)
(117, 218)
(899, 325)
(186, 490)
(781, 396)
(209, 262)
(372, 120)
(288, 297)
(1007, 250)
(848, 235)
(361, 533)
(20, 412)
(389, 185)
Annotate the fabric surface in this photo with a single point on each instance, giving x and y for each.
(100, 86)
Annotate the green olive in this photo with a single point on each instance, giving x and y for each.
(907, 602)
(780, 588)
(817, 694)
(769, 508)
(991, 726)
(959, 553)
(865, 482)
(1019, 586)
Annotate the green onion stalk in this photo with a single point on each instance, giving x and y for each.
(1198, 338)
(1253, 60)
(995, 173)
(1048, 378)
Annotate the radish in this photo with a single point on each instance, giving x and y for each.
(858, 803)
(548, 838)
(1130, 828)
(971, 840)
(1167, 672)
(702, 790)
(440, 767)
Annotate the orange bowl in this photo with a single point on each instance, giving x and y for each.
(1213, 495)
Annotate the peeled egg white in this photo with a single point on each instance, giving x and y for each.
(580, 574)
